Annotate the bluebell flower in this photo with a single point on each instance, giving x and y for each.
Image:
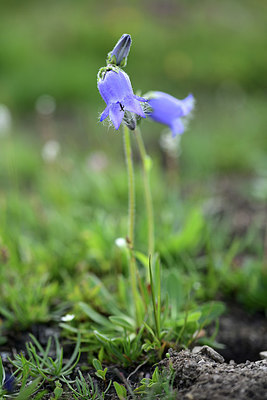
(9, 383)
(170, 111)
(116, 90)
(118, 56)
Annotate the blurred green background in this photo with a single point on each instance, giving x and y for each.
(216, 50)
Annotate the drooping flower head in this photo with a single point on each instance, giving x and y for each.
(170, 111)
(8, 382)
(116, 90)
(118, 56)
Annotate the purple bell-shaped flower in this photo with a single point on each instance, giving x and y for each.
(116, 90)
(170, 111)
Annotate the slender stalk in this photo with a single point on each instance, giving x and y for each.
(155, 306)
(264, 264)
(131, 186)
(148, 196)
(131, 215)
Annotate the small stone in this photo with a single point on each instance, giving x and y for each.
(196, 349)
(209, 352)
(189, 396)
(263, 355)
(216, 377)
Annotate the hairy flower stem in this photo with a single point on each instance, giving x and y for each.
(146, 163)
(131, 187)
(131, 215)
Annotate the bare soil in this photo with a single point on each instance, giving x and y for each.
(202, 374)
(243, 335)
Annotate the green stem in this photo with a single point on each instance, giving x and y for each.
(155, 306)
(146, 163)
(131, 188)
(131, 215)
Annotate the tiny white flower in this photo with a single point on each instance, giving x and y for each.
(121, 243)
(67, 317)
(170, 144)
(50, 150)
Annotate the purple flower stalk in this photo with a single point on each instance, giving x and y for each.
(170, 111)
(116, 90)
(118, 56)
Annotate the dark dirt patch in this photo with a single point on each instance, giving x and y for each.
(243, 335)
(201, 374)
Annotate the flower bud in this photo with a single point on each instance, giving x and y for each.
(118, 56)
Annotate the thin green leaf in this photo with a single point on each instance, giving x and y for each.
(27, 392)
(95, 316)
(124, 321)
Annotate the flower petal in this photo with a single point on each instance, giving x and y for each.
(139, 98)
(132, 105)
(105, 113)
(165, 109)
(116, 115)
(168, 110)
(115, 86)
(177, 127)
(187, 104)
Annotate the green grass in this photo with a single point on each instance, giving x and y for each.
(57, 259)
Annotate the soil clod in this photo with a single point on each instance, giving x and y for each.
(201, 374)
